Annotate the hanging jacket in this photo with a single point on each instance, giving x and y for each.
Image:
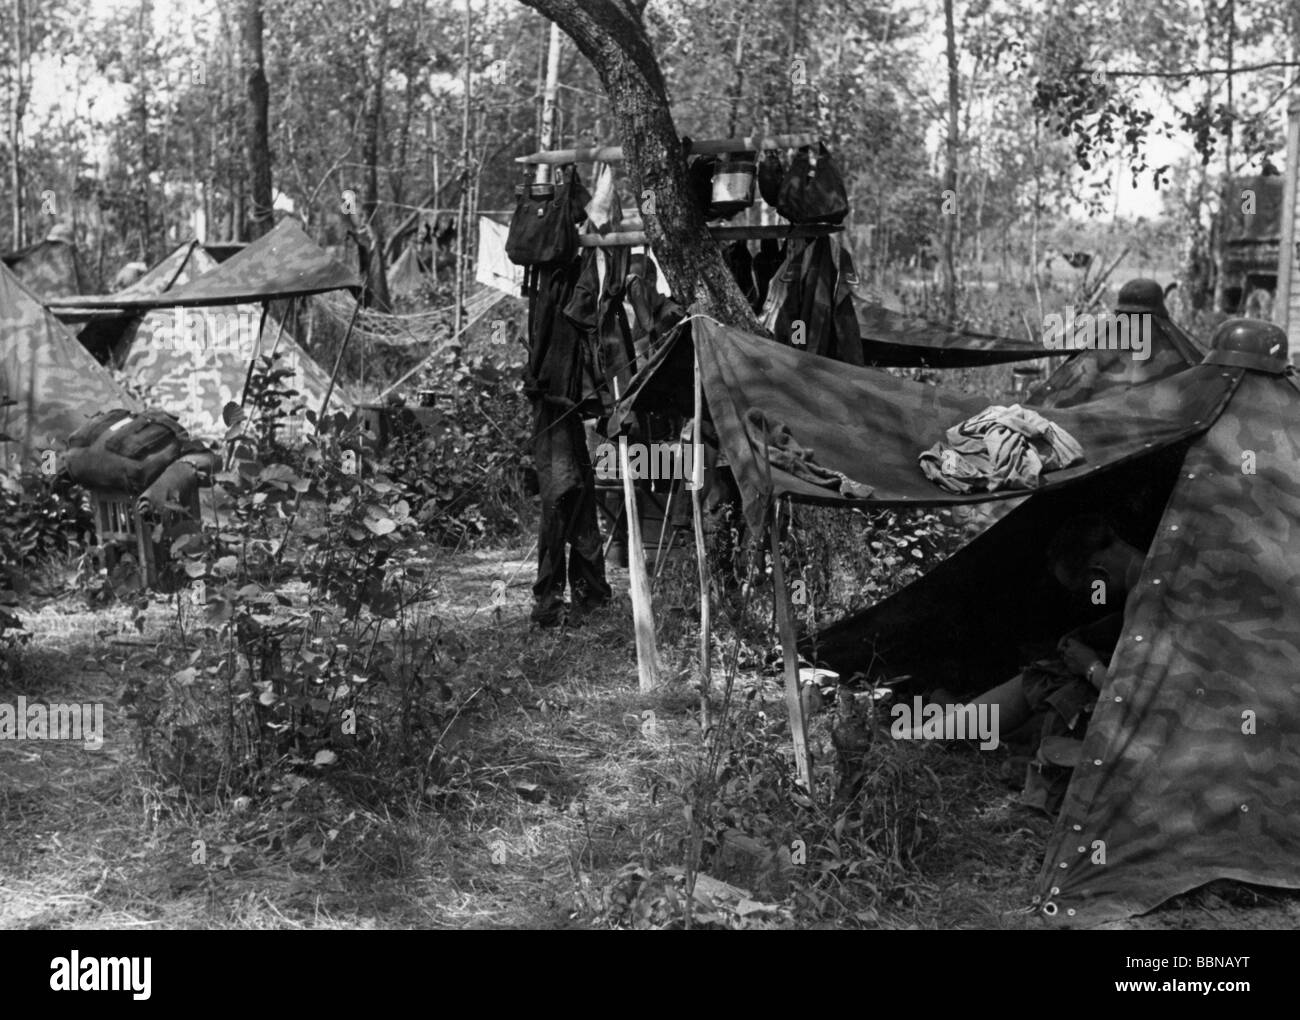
(556, 347)
(816, 286)
(741, 264)
(767, 263)
(596, 310)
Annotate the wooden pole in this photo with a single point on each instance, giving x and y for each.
(1286, 269)
(781, 231)
(790, 655)
(462, 231)
(706, 146)
(257, 350)
(291, 310)
(338, 361)
(643, 621)
(549, 96)
(701, 557)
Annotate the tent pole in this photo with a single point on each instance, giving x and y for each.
(643, 621)
(785, 624)
(701, 556)
(291, 310)
(257, 349)
(338, 361)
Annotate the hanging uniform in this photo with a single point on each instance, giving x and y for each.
(810, 301)
(559, 386)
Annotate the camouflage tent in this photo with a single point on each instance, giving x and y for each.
(200, 325)
(50, 268)
(1091, 372)
(1194, 745)
(407, 277)
(55, 383)
(283, 263)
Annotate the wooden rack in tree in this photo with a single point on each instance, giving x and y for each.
(704, 146)
(780, 231)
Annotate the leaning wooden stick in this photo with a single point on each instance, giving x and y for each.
(338, 361)
(790, 655)
(701, 558)
(643, 621)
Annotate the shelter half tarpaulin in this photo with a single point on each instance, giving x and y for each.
(283, 263)
(196, 325)
(893, 340)
(50, 268)
(55, 383)
(194, 360)
(1088, 373)
(869, 426)
(1192, 755)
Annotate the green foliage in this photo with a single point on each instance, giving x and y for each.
(41, 516)
(463, 464)
(301, 683)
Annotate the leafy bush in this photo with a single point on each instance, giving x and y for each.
(465, 463)
(41, 516)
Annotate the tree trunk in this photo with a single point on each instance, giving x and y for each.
(949, 234)
(611, 35)
(373, 117)
(17, 100)
(257, 140)
(142, 110)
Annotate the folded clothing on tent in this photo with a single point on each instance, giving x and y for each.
(1000, 448)
(784, 452)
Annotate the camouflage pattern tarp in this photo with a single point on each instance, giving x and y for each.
(49, 269)
(283, 263)
(1192, 754)
(55, 382)
(893, 340)
(870, 425)
(193, 361)
(1091, 372)
(1191, 763)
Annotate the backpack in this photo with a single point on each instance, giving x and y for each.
(122, 451)
(543, 230)
(813, 190)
